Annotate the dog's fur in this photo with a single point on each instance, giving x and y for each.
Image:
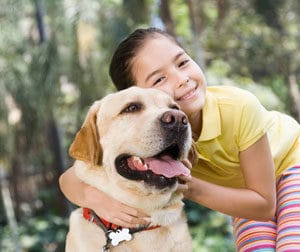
(142, 123)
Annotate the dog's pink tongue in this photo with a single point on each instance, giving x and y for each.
(167, 167)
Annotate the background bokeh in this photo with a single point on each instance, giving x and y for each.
(54, 58)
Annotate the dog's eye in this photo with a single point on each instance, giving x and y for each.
(132, 107)
(175, 106)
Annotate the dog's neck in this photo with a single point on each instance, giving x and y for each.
(107, 226)
(166, 204)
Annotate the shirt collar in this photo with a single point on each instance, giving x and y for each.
(211, 121)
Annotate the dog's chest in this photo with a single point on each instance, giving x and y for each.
(160, 239)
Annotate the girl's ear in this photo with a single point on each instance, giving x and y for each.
(192, 156)
(86, 146)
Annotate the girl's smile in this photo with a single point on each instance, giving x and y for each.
(189, 94)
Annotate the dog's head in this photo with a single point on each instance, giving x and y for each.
(136, 134)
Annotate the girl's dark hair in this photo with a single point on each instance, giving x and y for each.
(120, 69)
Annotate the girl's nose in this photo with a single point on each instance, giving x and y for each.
(182, 81)
(180, 78)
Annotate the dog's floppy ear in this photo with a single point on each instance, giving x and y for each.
(86, 146)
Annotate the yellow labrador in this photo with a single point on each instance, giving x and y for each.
(130, 146)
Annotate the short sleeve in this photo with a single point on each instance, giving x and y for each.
(253, 121)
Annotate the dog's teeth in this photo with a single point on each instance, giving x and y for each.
(145, 166)
(137, 163)
(135, 158)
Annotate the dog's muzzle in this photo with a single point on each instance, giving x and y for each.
(174, 120)
(162, 169)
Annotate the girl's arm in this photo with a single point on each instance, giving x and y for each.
(256, 201)
(106, 207)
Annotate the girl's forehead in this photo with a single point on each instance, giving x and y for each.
(156, 51)
(159, 42)
(157, 54)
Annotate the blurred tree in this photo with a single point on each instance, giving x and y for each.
(49, 83)
(280, 17)
(222, 9)
(166, 17)
(198, 21)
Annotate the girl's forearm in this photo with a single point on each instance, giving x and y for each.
(80, 193)
(242, 202)
(106, 207)
(73, 188)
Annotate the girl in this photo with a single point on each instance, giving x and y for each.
(248, 158)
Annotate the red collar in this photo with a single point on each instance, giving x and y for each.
(89, 215)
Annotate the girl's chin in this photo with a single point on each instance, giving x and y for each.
(192, 106)
(188, 108)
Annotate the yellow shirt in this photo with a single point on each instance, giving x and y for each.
(233, 120)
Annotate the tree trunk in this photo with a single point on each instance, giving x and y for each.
(295, 95)
(40, 20)
(197, 18)
(223, 7)
(21, 191)
(166, 17)
(58, 163)
(52, 133)
(10, 213)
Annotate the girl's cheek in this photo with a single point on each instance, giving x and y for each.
(166, 89)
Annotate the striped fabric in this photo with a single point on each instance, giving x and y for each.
(282, 234)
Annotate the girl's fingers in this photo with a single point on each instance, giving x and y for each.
(183, 183)
(187, 163)
(122, 223)
(114, 211)
(182, 187)
(184, 179)
(125, 220)
(133, 220)
(132, 211)
(125, 217)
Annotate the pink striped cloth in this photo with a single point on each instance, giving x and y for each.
(282, 234)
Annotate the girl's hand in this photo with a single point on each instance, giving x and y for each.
(114, 211)
(184, 180)
(84, 195)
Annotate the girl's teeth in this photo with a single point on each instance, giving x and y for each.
(188, 95)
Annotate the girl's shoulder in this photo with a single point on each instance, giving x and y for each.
(231, 95)
(229, 91)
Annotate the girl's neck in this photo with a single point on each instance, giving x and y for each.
(196, 124)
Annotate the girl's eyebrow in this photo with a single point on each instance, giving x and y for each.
(158, 70)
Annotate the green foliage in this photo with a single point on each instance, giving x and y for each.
(5, 131)
(38, 234)
(211, 231)
(268, 10)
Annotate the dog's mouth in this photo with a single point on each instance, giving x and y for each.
(160, 170)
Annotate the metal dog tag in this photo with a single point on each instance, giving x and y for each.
(119, 235)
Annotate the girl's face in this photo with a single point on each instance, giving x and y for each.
(162, 64)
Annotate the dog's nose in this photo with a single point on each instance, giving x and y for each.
(174, 118)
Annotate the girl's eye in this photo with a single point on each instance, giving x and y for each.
(132, 107)
(158, 80)
(182, 63)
